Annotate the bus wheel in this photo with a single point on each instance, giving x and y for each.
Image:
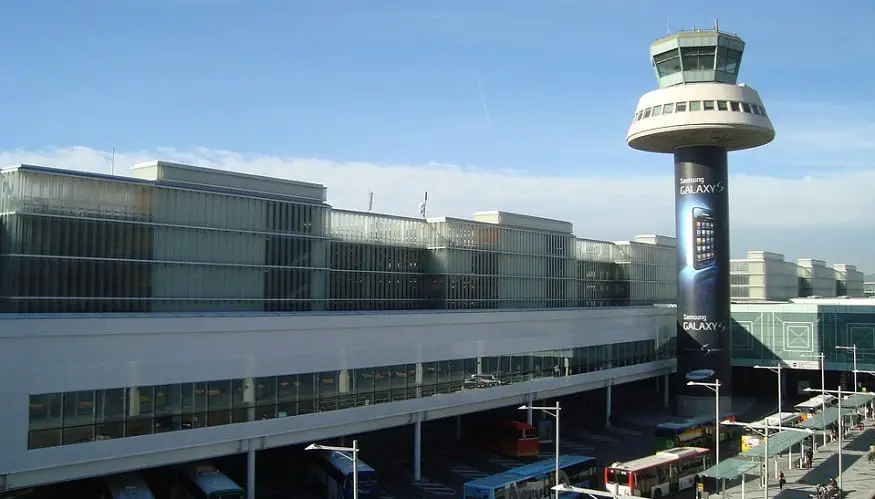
(657, 494)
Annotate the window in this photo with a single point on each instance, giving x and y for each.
(668, 109)
(763, 111)
(745, 107)
(728, 60)
(680, 107)
(667, 63)
(698, 58)
(639, 115)
(695, 105)
(647, 113)
(722, 105)
(657, 110)
(755, 109)
(734, 106)
(708, 105)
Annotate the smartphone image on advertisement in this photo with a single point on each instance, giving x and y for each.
(703, 238)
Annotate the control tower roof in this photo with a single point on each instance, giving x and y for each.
(697, 56)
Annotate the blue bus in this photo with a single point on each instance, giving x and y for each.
(126, 486)
(536, 480)
(333, 470)
(205, 481)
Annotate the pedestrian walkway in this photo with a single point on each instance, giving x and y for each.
(858, 476)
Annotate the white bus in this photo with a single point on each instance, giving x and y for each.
(205, 481)
(662, 474)
(333, 470)
(125, 486)
(814, 404)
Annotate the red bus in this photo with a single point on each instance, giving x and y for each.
(662, 474)
(511, 438)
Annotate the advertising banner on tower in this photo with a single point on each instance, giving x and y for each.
(702, 218)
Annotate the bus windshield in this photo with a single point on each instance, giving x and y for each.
(617, 476)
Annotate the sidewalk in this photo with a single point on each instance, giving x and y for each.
(858, 476)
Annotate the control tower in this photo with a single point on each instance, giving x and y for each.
(699, 113)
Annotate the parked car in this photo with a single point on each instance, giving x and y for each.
(481, 381)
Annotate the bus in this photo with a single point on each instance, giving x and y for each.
(536, 480)
(662, 474)
(752, 437)
(125, 486)
(814, 404)
(205, 481)
(511, 438)
(696, 432)
(333, 470)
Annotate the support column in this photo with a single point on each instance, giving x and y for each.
(703, 313)
(529, 415)
(665, 391)
(419, 378)
(417, 449)
(249, 397)
(133, 402)
(458, 427)
(250, 473)
(608, 402)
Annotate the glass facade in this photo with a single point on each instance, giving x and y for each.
(81, 243)
(87, 244)
(799, 332)
(85, 416)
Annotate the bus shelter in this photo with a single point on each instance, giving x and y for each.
(824, 419)
(778, 443)
(858, 400)
(730, 469)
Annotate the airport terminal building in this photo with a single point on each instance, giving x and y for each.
(185, 313)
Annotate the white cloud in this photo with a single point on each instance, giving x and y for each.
(604, 207)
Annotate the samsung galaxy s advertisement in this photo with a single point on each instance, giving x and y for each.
(702, 203)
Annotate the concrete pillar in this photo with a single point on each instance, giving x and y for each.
(609, 395)
(343, 381)
(417, 449)
(420, 371)
(479, 365)
(133, 401)
(665, 391)
(250, 473)
(458, 427)
(249, 397)
(529, 414)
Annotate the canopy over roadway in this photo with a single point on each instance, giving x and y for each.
(729, 469)
(778, 444)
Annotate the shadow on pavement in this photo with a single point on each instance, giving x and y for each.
(862, 442)
(828, 468)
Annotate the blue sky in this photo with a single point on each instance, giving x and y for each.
(384, 96)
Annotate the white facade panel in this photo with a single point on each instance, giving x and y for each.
(79, 352)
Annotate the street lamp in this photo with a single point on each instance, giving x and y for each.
(355, 461)
(714, 387)
(822, 358)
(552, 411)
(852, 348)
(756, 427)
(777, 370)
(838, 393)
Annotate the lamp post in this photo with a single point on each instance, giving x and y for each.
(355, 461)
(756, 427)
(822, 358)
(552, 411)
(714, 387)
(777, 370)
(839, 394)
(852, 348)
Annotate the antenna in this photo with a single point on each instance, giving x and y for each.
(370, 201)
(423, 205)
(716, 25)
(112, 164)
